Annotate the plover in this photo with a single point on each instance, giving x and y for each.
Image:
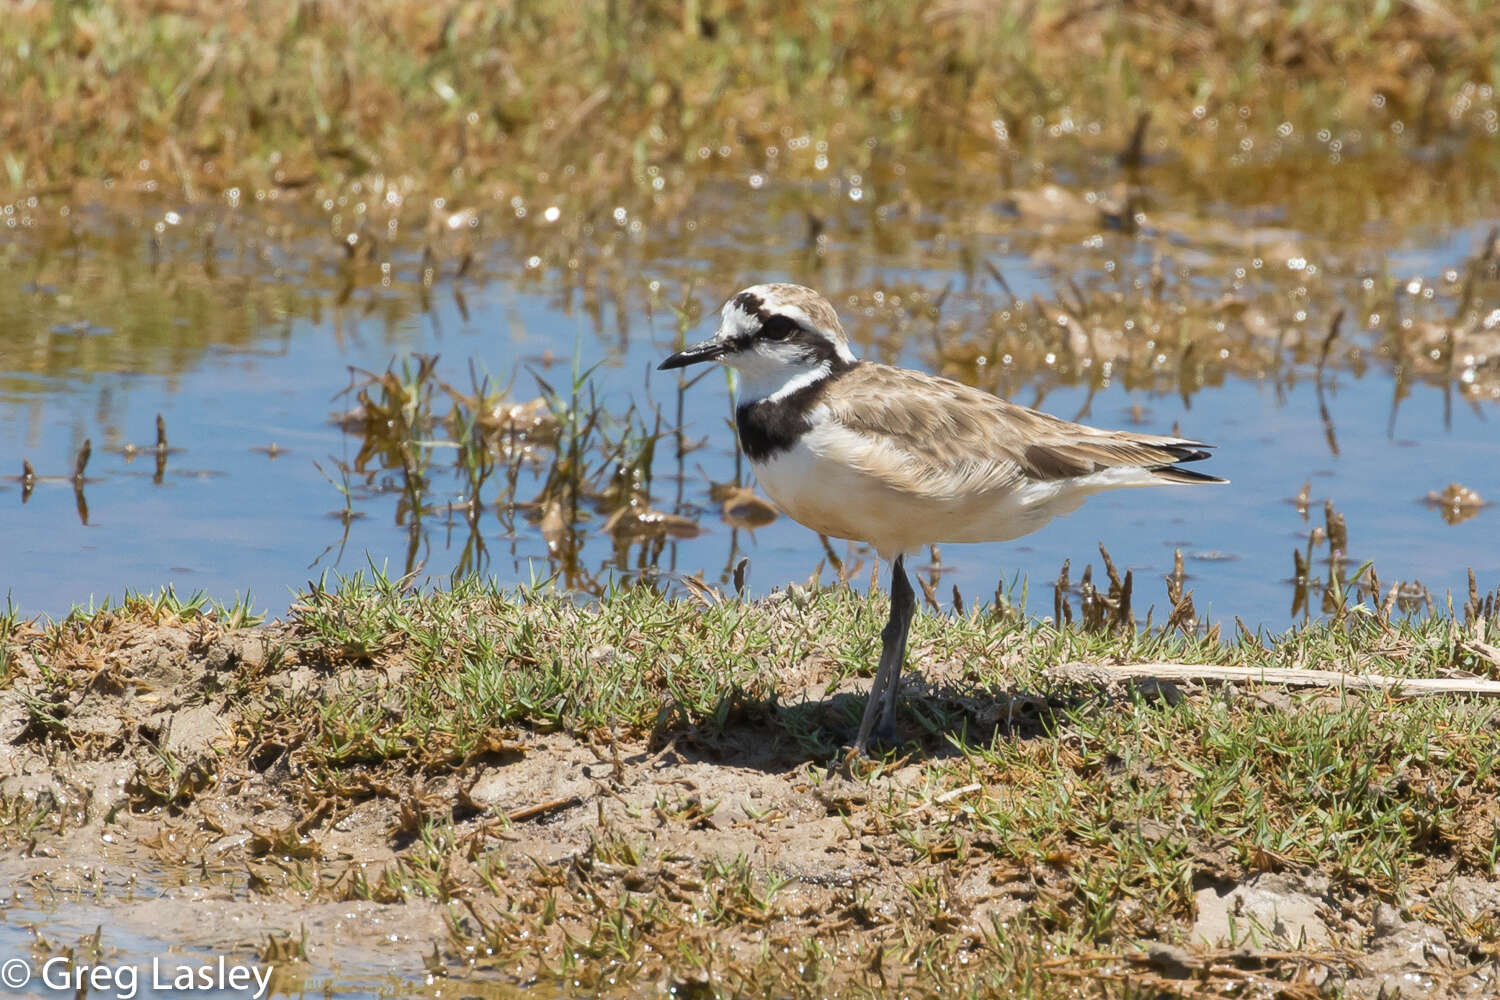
(900, 459)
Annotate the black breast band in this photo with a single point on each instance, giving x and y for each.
(769, 427)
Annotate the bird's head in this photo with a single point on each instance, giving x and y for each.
(777, 337)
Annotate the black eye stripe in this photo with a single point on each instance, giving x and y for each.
(777, 328)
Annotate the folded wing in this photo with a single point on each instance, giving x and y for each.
(934, 437)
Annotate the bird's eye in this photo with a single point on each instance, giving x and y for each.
(777, 328)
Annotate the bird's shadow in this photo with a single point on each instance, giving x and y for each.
(934, 722)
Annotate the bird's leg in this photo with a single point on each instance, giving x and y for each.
(892, 650)
(904, 600)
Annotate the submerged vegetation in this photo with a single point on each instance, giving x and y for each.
(560, 463)
(574, 458)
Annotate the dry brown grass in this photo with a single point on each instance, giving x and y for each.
(458, 97)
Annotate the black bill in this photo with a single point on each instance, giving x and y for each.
(706, 351)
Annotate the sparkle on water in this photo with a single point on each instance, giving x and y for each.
(239, 326)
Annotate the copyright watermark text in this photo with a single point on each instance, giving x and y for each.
(126, 981)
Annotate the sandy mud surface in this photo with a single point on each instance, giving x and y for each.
(166, 784)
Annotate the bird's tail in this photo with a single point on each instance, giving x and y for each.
(1181, 452)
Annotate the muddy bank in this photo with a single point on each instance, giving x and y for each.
(269, 792)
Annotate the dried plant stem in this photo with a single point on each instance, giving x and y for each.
(1101, 673)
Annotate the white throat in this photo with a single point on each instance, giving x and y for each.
(765, 383)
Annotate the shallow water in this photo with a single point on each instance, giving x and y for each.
(239, 327)
(123, 936)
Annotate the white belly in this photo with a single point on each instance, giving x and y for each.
(832, 482)
(829, 496)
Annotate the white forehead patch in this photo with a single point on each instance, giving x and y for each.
(745, 320)
(782, 300)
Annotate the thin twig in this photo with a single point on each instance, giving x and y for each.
(542, 808)
(1104, 673)
(943, 799)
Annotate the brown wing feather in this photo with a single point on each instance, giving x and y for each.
(950, 431)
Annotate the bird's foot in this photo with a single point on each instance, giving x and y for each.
(883, 739)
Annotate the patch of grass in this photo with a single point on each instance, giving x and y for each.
(1371, 793)
(482, 658)
(640, 663)
(158, 607)
(10, 626)
(1001, 850)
